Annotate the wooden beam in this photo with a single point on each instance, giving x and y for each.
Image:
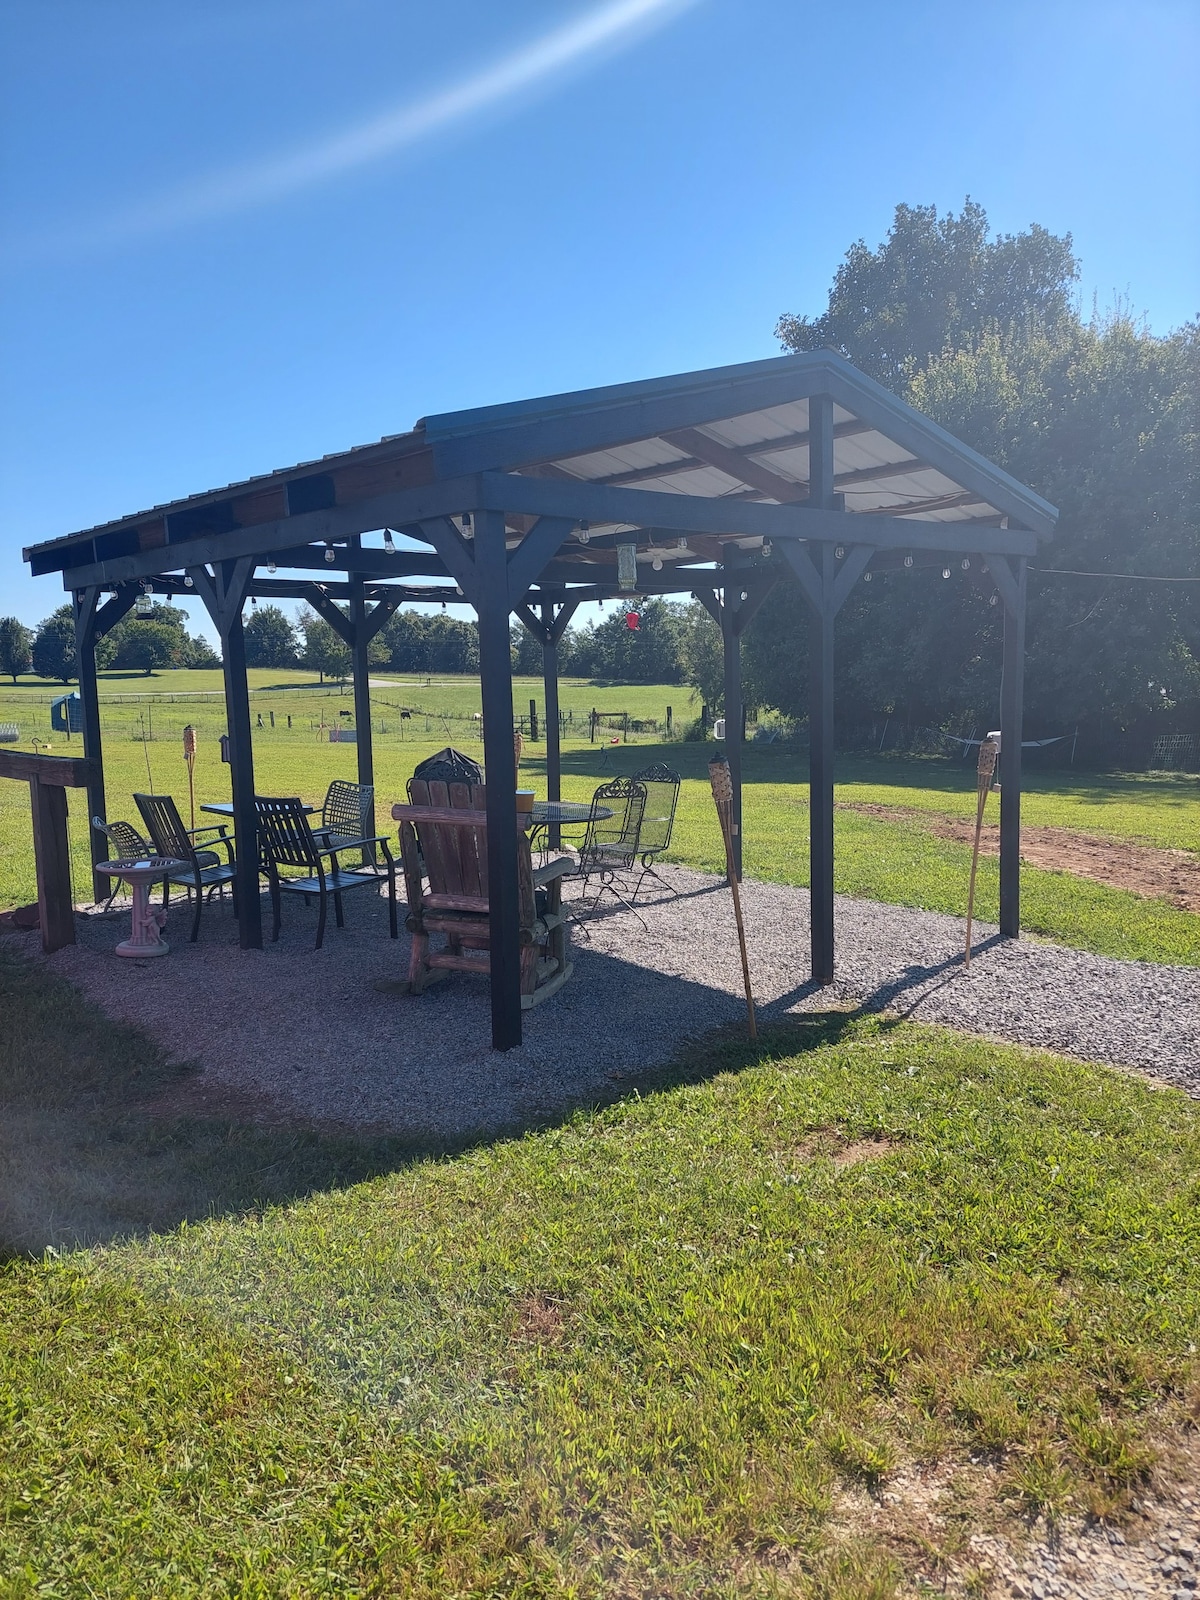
(69, 772)
(333, 615)
(741, 468)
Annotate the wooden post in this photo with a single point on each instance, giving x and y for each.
(820, 776)
(89, 704)
(1012, 699)
(495, 672)
(49, 777)
(363, 732)
(224, 591)
(553, 727)
(731, 643)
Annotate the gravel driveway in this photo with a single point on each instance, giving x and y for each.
(304, 1032)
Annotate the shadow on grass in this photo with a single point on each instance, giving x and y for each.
(99, 1143)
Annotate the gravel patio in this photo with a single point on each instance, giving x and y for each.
(292, 1032)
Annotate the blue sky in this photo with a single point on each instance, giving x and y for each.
(244, 233)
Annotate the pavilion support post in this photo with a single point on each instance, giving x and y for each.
(92, 622)
(553, 730)
(820, 774)
(359, 647)
(85, 603)
(731, 641)
(1012, 697)
(491, 600)
(224, 591)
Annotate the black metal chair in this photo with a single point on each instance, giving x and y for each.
(348, 818)
(662, 797)
(128, 846)
(610, 845)
(287, 840)
(202, 870)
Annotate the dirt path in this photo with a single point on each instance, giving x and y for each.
(1171, 875)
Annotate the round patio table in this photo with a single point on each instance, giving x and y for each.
(546, 811)
(145, 938)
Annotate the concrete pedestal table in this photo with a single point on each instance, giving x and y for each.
(145, 938)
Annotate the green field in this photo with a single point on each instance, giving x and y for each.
(893, 860)
(641, 1354)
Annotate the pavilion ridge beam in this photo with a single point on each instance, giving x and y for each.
(766, 447)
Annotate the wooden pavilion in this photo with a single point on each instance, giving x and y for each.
(712, 484)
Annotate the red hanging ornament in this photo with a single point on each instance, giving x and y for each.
(632, 621)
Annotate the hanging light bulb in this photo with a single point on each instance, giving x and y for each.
(867, 577)
(583, 533)
(966, 565)
(992, 599)
(271, 567)
(468, 533)
(253, 599)
(945, 572)
(329, 555)
(389, 544)
(745, 595)
(443, 605)
(657, 563)
(908, 561)
(189, 582)
(839, 552)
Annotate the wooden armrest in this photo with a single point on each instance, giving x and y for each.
(552, 869)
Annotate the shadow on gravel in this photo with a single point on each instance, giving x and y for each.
(104, 1138)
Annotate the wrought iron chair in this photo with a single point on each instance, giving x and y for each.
(128, 846)
(658, 820)
(202, 871)
(287, 840)
(610, 845)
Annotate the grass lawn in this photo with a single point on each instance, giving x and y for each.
(643, 1353)
(897, 860)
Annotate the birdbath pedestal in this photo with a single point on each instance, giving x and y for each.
(145, 938)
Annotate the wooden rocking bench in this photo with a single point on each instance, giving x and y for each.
(444, 851)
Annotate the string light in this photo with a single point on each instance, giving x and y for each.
(992, 599)
(966, 565)
(466, 524)
(583, 533)
(657, 563)
(189, 582)
(839, 552)
(945, 572)
(867, 577)
(389, 544)
(329, 555)
(908, 561)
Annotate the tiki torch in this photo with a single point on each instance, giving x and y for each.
(722, 788)
(989, 749)
(189, 755)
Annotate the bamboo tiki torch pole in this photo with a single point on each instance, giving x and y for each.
(189, 755)
(722, 788)
(988, 751)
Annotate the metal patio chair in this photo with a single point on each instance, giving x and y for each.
(658, 820)
(287, 840)
(610, 846)
(202, 870)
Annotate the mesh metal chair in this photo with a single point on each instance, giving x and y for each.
(128, 845)
(348, 818)
(658, 820)
(202, 870)
(287, 840)
(610, 845)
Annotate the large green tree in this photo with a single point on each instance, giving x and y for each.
(270, 638)
(16, 653)
(54, 645)
(1099, 416)
(323, 650)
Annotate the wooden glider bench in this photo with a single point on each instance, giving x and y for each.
(444, 851)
